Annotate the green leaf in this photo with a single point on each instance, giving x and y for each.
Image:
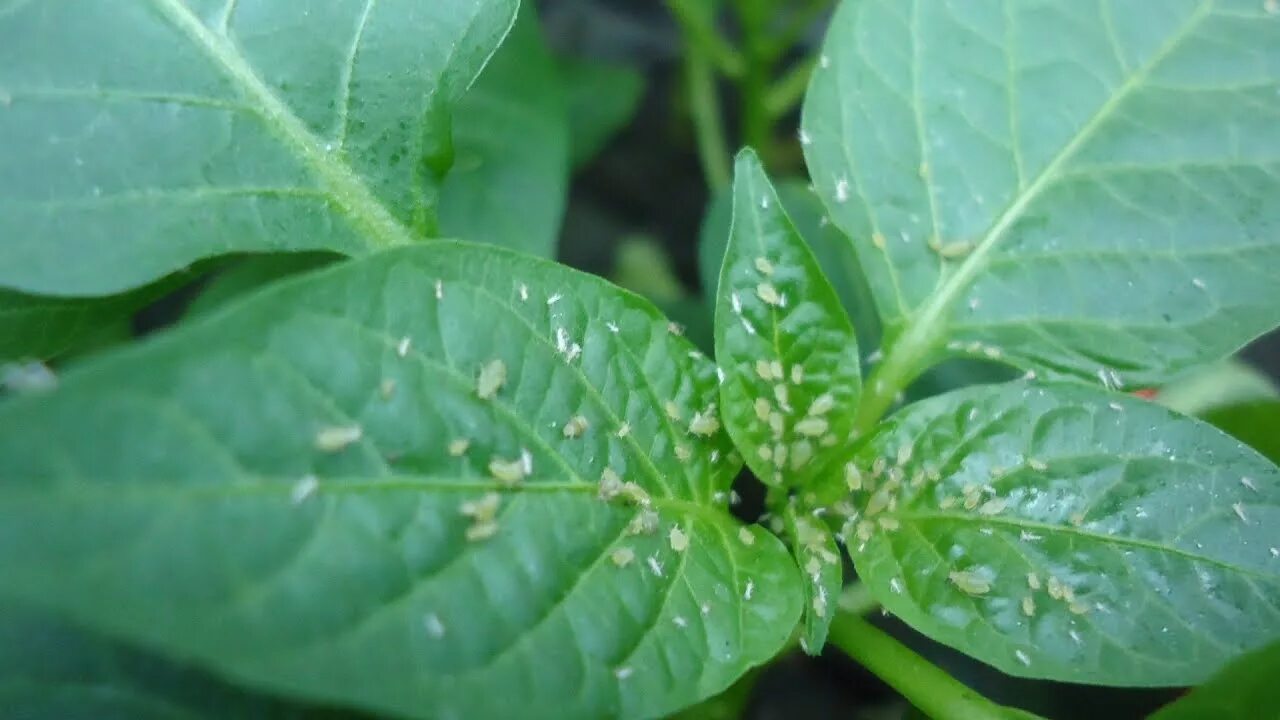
(1061, 532)
(1245, 689)
(510, 178)
(1228, 383)
(815, 551)
(51, 669)
(42, 328)
(784, 344)
(283, 492)
(252, 273)
(830, 246)
(602, 99)
(1075, 188)
(1256, 424)
(138, 138)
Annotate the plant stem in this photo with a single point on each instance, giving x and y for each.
(704, 108)
(699, 31)
(922, 683)
(789, 89)
(753, 17)
(855, 599)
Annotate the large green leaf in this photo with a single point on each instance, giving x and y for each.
(136, 138)
(1082, 188)
(1244, 690)
(510, 177)
(1062, 532)
(783, 342)
(51, 669)
(284, 493)
(41, 328)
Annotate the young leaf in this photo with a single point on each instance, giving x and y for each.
(137, 138)
(1061, 532)
(1253, 423)
(380, 485)
(815, 551)
(510, 176)
(784, 344)
(1244, 690)
(1039, 183)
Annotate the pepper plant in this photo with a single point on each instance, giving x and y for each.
(442, 479)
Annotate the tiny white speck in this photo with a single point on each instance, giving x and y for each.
(1239, 510)
(746, 325)
(554, 299)
(1248, 482)
(435, 628)
(750, 590)
(895, 585)
(439, 289)
(403, 348)
(1075, 636)
(623, 672)
(1198, 283)
(1027, 536)
(824, 62)
(562, 340)
(655, 567)
(1275, 552)
(524, 292)
(764, 203)
(842, 190)
(736, 302)
(613, 327)
(804, 137)
(1116, 406)
(705, 609)
(1023, 657)
(720, 374)
(304, 488)
(973, 303)
(680, 622)
(526, 461)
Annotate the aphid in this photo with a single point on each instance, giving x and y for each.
(705, 609)
(482, 510)
(812, 426)
(803, 137)
(507, 472)
(878, 502)
(969, 583)
(736, 302)
(623, 556)
(439, 289)
(780, 453)
(524, 292)
(895, 585)
(878, 466)
(776, 424)
(1248, 482)
(852, 477)
(720, 374)
(1028, 605)
(904, 453)
(482, 530)
(1075, 636)
(780, 394)
(877, 239)
(765, 452)
(636, 494)
(644, 523)
(950, 251)
(813, 568)
(622, 673)
(679, 541)
(889, 524)
(492, 377)
(610, 485)
(402, 349)
(842, 190)
(704, 424)
(1037, 465)
(526, 461)
(801, 454)
(562, 340)
(680, 622)
(683, 453)
(764, 266)
(749, 590)
(613, 327)
(762, 409)
(1033, 581)
(458, 447)
(555, 298)
(746, 325)
(655, 567)
(947, 503)
(435, 628)
(746, 536)
(762, 369)
(624, 429)
(1028, 536)
(576, 426)
(1239, 510)
(923, 170)
(1077, 607)
(334, 439)
(769, 294)
(1056, 588)
(575, 350)
(828, 441)
(822, 404)
(673, 410)
(820, 602)
(387, 388)
(994, 506)
(1022, 657)
(797, 374)
(1197, 281)
(304, 488)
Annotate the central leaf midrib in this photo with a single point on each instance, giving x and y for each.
(372, 220)
(925, 329)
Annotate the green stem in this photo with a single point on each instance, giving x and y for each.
(704, 108)
(788, 90)
(855, 599)
(922, 683)
(753, 17)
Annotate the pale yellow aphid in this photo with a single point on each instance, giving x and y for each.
(334, 439)
(801, 454)
(878, 502)
(994, 506)
(776, 424)
(813, 568)
(969, 583)
(763, 370)
(950, 251)
(768, 293)
(486, 508)
(459, 446)
(683, 452)
(673, 410)
(812, 426)
(644, 523)
(1033, 581)
(762, 409)
(704, 424)
(1077, 607)
(780, 394)
(576, 426)
(746, 536)
(1028, 606)
(678, 540)
(797, 374)
(481, 531)
(877, 239)
(904, 453)
(822, 404)
(775, 369)
(852, 477)
(636, 494)
(765, 452)
(1037, 465)
(611, 485)
(888, 523)
(624, 429)
(507, 472)
(764, 266)
(1056, 589)
(623, 556)
(492, 377)
(780, 452)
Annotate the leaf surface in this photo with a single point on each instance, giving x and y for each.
(139, 138)
(1057, 531)
(786, 348)
(1244, 690)
(1079, 188)
(280, 493)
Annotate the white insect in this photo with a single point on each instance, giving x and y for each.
(524, 292)
(555, 298)
(655, 567)
(750, 589)
(842, 190)
(736, 302)
(304, 488)
(435, 628)
(403, 348)
(613, 327)
(335, 439)
(623, 672)
(1023, 657)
